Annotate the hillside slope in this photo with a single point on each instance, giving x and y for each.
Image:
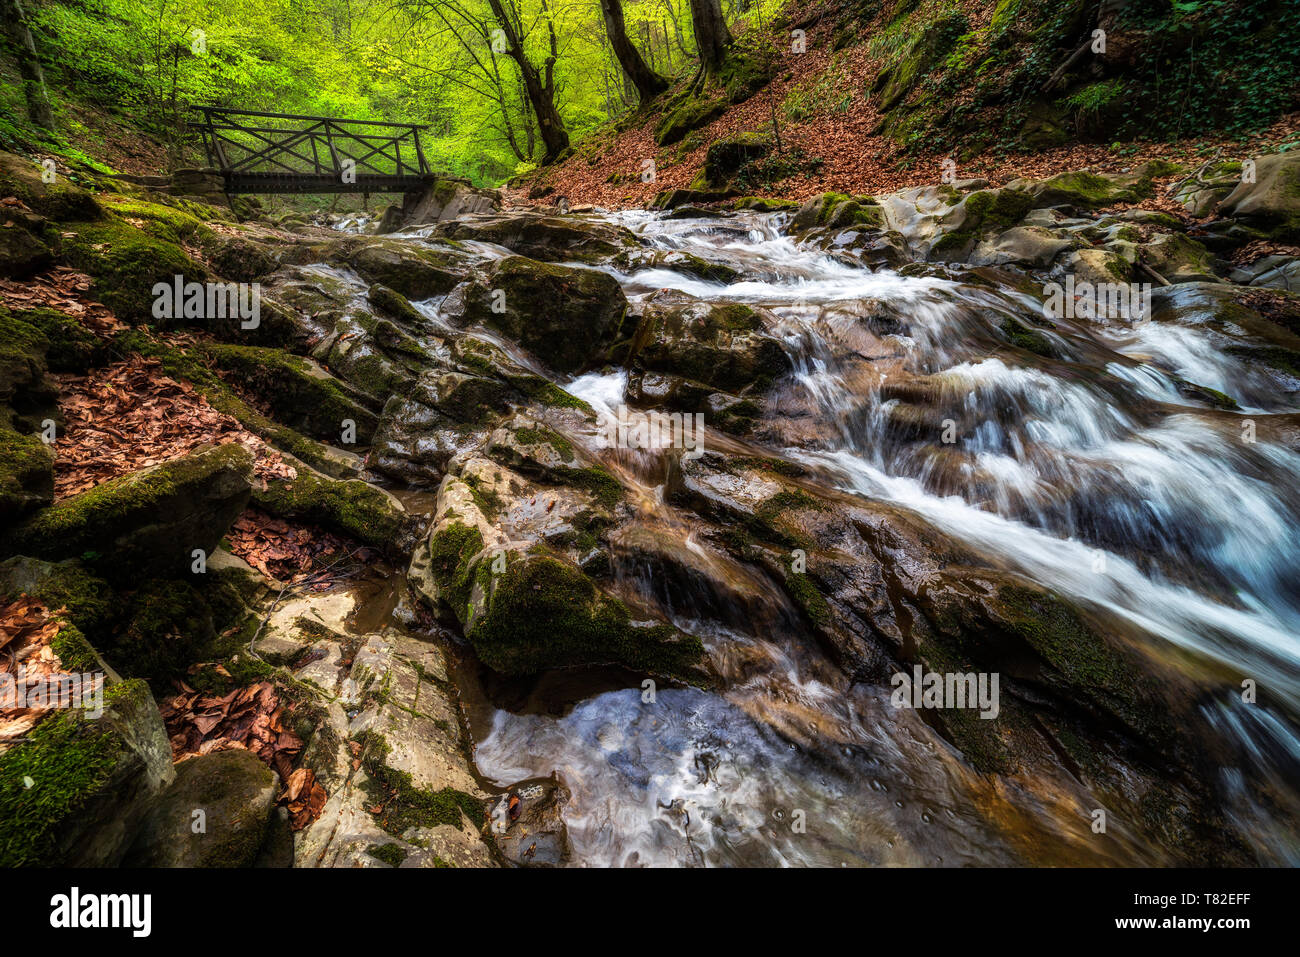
(885, 91)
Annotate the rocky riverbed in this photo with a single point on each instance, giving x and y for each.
(618, 527)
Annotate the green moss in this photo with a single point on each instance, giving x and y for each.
(87, 599)
(126, 263)
(69, 345)
(684, 115)
(450, 553)
(298, 393)
(541, 435)
(807, 596)
(391, 854)
(548, 393)
(402, 804)
(87, 521)
(598, 480)
(543, 613)
(74, 651)
(353, 508)
(169, 627)
(167, 223)
(67, 758)
(1023, 337)
(26, 474)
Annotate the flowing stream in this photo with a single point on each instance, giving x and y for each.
(1088, 472)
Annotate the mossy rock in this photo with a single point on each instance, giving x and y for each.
(543, 613)
(26, 475)
(565, 316)
(409, 270)
(148, 523)
(726, 157)
(353, 508)
(22, 254)
(61, 200)
(126, 263)
(27, 394)
(168, 627)
(838, 211)
(92, 781)
(1085, 190)
(88, 600)
(685, 114)
(299, 392)
(69, 345)
(236, 793)
(1272, 201)
(722, 346)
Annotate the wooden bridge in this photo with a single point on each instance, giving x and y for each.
(290, 153)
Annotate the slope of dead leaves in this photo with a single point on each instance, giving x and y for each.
(66, 290)
(129, 416)
(26, 629)
(844, 134)
(252, 718)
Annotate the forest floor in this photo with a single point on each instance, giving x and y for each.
(844, 133)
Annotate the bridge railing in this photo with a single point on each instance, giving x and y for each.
(295, 150)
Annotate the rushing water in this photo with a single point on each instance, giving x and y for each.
(1089, 473)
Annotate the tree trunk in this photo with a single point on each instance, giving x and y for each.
(648, 83)
(712, 38)
(541, 96)
(29, 65)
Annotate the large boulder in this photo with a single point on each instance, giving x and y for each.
(567, 317)
(524, 606)
(445, 199)
(234, 790)
(148, 523)
(76, 791)
(1272, 201)
(723, 346)
(545, 238)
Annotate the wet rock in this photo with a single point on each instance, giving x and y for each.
(673, 198)
(445, 199)
(417, 272)
(234, 791)
(1026, 245)
(677, 260)
(395, 767)
(1178, 258)
(1272, 202)
(94, 781)
(146, 524)
(838, 211)
(544, 238)
(526, 609)
(528, 825)
(567, 317)
(723, 346)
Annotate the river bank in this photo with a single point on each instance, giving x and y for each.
(437, 620)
